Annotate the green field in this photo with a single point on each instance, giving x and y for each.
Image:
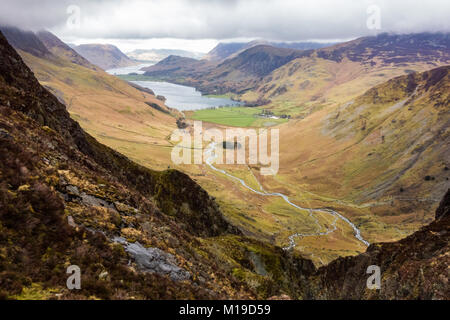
(235, 117)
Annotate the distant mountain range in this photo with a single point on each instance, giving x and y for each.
(227, 50)
(241, 68)
(108, 56)
(341, 72)
(230, 75)
(156, 55)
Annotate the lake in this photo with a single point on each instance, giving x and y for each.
(185, 98)
(179, 97)
(127, 70)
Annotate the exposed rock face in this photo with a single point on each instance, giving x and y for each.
(154, 260)
(444, 207)
(192, 205)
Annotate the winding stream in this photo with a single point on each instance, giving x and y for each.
(211, 157)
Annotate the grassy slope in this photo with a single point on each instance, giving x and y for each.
(308, 84)
(374, 155)
(342, 72)
(109, 109)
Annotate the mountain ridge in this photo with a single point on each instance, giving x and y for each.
(156, 55)
(106, 56)
(225, 51)
(58, 47)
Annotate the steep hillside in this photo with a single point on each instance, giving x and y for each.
(104, 105)
(46, 110)
(380, 164)
(381, 160)
(344, 71)
(302, 45)
(59, 49)
(240, 73)
(260, 60)
(100, 211)
(26, 41)
(106, 56)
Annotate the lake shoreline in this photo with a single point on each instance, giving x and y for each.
(186, 98)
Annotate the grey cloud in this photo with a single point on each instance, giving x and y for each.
(286, 20)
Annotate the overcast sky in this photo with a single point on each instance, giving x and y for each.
(198, 25)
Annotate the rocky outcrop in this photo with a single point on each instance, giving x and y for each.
(154, 260)
(444, 207)
(182, 198)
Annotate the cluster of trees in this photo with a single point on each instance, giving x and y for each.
(267, 114)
